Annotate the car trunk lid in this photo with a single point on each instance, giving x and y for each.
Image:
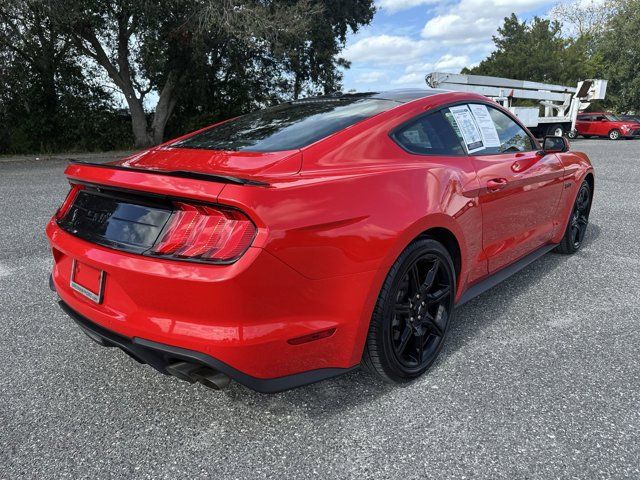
(243, 165)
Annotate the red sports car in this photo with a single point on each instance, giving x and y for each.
(299, 242)
(601, 124)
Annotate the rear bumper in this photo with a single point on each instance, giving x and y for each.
(240, 317)
(159, 356)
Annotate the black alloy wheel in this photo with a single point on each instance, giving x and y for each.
(413, 313)
(578, 222)
(420, 314)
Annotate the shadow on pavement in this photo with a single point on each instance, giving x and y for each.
(359, 387)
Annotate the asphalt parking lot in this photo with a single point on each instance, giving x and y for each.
(540, 377)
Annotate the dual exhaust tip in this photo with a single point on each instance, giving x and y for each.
(192, 373)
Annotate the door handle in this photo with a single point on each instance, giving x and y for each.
(496, 184)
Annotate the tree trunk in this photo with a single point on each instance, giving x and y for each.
(141, 136)
(164, 108)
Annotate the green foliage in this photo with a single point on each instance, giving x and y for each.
(47, 100)
(618, 48)
(536, 51)
(603, 45)
(198, 60)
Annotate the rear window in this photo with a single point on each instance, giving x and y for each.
(288, 126)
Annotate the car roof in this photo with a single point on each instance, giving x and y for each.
(404, 95)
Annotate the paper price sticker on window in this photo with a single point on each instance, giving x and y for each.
(468, 128)
(485, 123)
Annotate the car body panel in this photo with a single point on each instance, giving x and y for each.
(598, 125)
(521, 216)
(331, 220)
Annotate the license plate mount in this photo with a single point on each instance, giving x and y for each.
(87, 281)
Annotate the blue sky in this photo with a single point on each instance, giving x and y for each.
(410, 38)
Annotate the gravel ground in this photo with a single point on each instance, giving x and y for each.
(540, 377)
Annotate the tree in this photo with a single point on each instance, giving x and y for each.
(584, 19)
(27, 35)
(313, 58)
(622, 57)
(537, 51)
(156, 46)
(46, 100)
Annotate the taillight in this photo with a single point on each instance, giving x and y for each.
(71, 196)
(205, 233)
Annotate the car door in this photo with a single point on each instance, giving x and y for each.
(519, 188)
(599, 126)
(582, 124)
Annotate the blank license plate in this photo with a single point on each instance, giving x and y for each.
(87, 280)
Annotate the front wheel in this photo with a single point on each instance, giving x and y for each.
(578, 222)
(614, 134)
(412, 314)
(573, 134)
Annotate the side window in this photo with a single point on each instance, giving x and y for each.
(429, 135)
(484, 130)
(512, 136)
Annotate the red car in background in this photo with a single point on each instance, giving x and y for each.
(601, 124)
(296, 243)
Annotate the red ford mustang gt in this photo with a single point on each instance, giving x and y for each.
(296, 243)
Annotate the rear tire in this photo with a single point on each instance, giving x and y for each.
(614, 134)
(578, 222)
(412, 314)
(573, 134)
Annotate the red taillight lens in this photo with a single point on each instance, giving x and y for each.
(66, 205)
(206, 233)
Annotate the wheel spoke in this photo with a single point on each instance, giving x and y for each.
(582, 229)
(574, 233)
(402, 309)
(433, 326)
(419, 348)
(414, 279)
(431, 275)
(439, 295)
(404, 339)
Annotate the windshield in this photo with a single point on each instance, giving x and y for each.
(288, 126)
(613, 118)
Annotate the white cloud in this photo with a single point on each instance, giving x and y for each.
(387, 49)
(415, 73)
(393, 6)
(454, 34)
(372, 77)
(413, 79)
(473, 21)
(451, 63)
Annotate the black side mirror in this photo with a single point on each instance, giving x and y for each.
(553, 144)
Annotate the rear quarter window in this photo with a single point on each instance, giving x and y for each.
(429, 135)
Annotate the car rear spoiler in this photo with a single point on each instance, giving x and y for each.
(177, 173)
